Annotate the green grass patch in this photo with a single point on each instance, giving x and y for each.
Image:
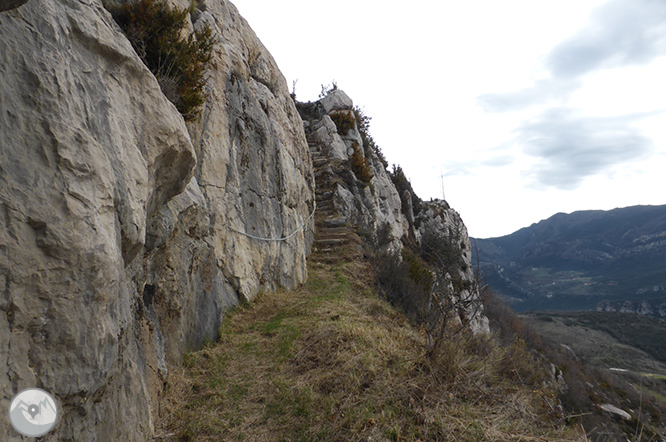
(331, 361)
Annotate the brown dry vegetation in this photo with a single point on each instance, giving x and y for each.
(331, 361)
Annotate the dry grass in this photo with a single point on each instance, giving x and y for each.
(330, 361)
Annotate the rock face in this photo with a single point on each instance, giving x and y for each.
(124, 233)
(378, 209)
(648, 307)
(436, 217)
(370, 205)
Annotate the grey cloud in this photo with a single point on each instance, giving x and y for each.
(457, 168)
(619, 33)
(569, 148)
(542, 91)
(460, 171)
(498, 161)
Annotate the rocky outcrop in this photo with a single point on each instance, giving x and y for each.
(438, 219)
(370, 205)
(650, 307)
(376, 208)
(125, 234)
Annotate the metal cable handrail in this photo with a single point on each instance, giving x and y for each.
(304, 225)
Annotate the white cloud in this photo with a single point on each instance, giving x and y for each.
(569, 148)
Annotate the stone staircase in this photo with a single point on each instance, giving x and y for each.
(333, 233)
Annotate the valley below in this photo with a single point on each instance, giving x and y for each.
(620, 342)
(583, 261)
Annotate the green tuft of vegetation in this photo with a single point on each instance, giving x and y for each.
(360, 166)
(155, 30)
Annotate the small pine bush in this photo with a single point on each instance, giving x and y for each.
(155, 30)
(363, 124)
(344, 122)
(360, 166)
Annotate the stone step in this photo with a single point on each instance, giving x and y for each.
(326, 213)
(319, 162)
(324, 203)
(324, 192)
(337, 231)
(339, 222)
(333, 230)
(332, 241)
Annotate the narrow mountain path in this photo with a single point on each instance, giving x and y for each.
(333, 232)
(332, 361)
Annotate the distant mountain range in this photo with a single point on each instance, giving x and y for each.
(589, 260)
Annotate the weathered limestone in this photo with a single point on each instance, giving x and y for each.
(377, 207)
(438, 217)
(336, 100)
(369, 206)
(117, 248)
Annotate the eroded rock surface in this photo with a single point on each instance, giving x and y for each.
(373, 205)
(437, 217)
(377, 209)
(119, 244)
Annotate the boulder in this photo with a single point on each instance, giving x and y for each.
(336, 100)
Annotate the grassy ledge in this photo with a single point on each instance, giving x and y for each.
(330, 361)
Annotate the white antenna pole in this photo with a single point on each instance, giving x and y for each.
(442, 177)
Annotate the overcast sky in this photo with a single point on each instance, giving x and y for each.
(526, 108)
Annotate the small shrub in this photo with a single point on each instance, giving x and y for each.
(360, 166)
(383, 236)
(444, 252)
(369, 145)
(327, 89)
(396, 282)
(155, 30)
(344, 122)
(401, 183)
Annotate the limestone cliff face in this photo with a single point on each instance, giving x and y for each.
(124, 232)
(437, 217)
(370, 206)
(378, 208)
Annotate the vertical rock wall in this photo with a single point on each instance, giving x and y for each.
(437, 217)
(119, 243)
